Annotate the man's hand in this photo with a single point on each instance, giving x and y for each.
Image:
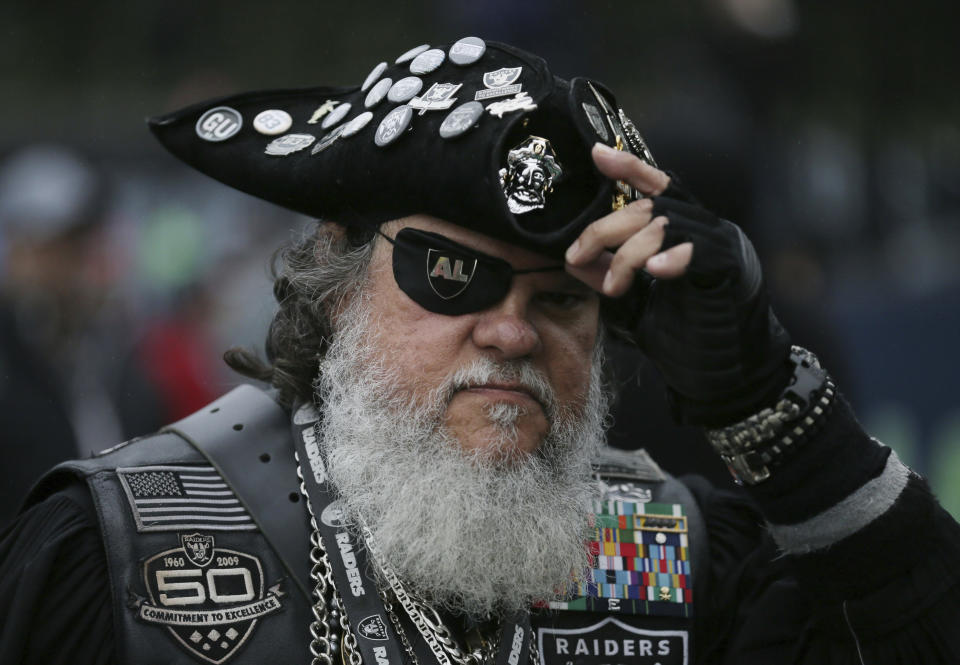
(633, 231)
(705, 320)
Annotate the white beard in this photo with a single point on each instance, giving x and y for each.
(473, 532)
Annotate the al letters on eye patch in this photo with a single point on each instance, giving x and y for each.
(445, 277)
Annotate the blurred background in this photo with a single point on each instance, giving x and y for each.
(829, 131)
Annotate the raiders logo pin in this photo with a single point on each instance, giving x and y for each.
(449, 275)
(438, 97)
(208, 599)
(373, 628)
(499, 83)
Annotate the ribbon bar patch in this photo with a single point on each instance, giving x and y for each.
(641, 555)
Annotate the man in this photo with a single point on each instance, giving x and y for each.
(439, 351)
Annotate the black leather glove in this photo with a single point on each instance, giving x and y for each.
(711, 332)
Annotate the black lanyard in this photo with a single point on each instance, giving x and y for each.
(352, 574)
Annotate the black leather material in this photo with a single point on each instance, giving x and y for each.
(274, 627)
(246, 435)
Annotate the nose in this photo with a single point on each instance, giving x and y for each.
(506, 330)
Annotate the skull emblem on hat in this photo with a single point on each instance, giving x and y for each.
(532, 168)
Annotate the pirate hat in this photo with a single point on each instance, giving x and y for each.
(477, 133)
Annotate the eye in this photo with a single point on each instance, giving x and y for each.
(562, 299)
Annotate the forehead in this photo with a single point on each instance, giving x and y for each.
(518, 257)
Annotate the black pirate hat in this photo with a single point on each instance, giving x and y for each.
(479, 134)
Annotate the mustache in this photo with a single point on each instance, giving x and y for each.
(518, 375)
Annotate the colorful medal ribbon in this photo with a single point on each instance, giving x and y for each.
(641, 554)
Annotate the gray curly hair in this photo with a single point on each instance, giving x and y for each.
(313, 275)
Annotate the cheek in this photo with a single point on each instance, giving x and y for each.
(421, 345)
(570, 358)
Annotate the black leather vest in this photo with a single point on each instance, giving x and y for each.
(207, 544)
(206, 537)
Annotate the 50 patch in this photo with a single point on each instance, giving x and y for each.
(208, 598)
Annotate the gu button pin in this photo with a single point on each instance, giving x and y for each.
(467, 51)
(272, 122)
(219, 124)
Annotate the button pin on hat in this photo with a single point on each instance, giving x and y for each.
(219, 124)
(377, 93)
(467, 51)
(427, 61)
(411, 54)
(393, 125)
(405, 89)
(272, 122)
(461, 119)
(373, 76)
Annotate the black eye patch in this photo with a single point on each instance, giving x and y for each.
(445, 277)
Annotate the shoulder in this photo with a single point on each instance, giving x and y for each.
(236, 420)
(53, 569)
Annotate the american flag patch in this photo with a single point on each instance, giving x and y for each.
(171, 498)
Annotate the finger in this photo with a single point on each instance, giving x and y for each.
(610, 232)
(671, 263)
(592, 273)
(632, 256)
(623, 165)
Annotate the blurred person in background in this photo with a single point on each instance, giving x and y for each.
(69, 378)
(419, 484)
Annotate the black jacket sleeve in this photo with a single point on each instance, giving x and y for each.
(886, 594)
(54, 585)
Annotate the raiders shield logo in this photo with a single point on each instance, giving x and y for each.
(613, 642)
(209, 599)
(198, 548)
(372, 628)
(502, 77)
(449, 275)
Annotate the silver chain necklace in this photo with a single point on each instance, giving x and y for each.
(322, 641)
